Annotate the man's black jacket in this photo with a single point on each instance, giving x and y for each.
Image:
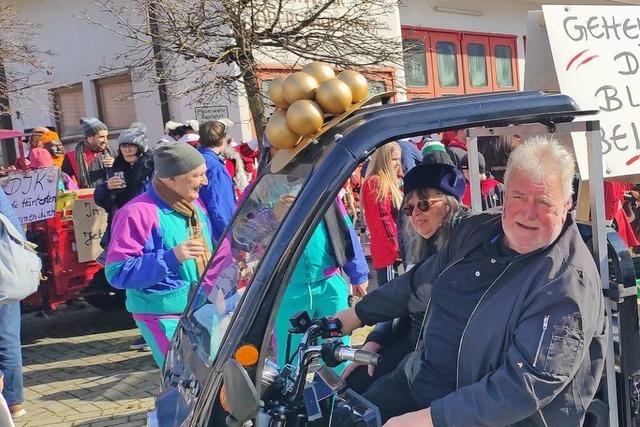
(532, 352)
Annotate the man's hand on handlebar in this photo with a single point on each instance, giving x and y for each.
(372, 347)
(421, 418)
(349, 319)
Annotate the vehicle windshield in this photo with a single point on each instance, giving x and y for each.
(236, 260)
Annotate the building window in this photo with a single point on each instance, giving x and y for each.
(116, 102)
(477, 60)
(442, 63)
(376, 87)
(447, 64)
(504, 72)
(68, 108)
(415, 62)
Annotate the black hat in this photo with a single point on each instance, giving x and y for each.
(482, 165)
(445, 178)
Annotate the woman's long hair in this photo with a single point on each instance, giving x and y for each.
(419, 247)
(381, 165)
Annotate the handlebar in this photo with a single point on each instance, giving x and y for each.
(362, 357)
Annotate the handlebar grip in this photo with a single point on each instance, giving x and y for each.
(358, 356)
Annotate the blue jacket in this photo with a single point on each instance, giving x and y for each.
(218, 196)
(410, 156)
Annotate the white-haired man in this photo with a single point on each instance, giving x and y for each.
(515, 330)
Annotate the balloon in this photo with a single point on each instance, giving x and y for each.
(357, 83)
(305, 117)
(278, 133)
(320, 71)
(334, 96)
(299, 86)
(276, 93)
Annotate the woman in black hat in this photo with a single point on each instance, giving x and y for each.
(432, 206)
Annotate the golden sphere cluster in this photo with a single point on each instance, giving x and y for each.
(304, 98)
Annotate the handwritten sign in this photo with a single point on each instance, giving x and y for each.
(211, 112)
(596, 56)
(32, 193)
(89, 225)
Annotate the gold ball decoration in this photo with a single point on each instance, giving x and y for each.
(357, 83)
(278, 133)
(305, 117)
(320, 71)
(276, 93)
(299, 86)
(334, 96)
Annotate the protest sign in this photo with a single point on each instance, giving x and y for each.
(596, 59)
(89, 225)
(32, 193)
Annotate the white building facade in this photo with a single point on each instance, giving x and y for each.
(452, 47)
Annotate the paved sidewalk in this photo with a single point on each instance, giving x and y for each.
(79, 371)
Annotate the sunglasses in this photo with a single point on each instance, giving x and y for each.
(423, 206)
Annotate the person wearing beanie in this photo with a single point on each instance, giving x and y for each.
(89, 162)
(218, 195)
(160, 244)
(132, 170)
(435, 152)
(431, 205)
(491, 190)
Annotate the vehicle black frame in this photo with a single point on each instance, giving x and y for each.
(330, 161)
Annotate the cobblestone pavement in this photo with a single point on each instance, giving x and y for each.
(79, 371)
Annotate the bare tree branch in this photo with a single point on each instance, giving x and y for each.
(215, 48)
(22, 63)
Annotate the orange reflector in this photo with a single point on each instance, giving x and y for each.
(223, 399)
(247, 355)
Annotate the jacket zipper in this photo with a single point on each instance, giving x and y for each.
(469, 321)
(424, 319)
(545, 323)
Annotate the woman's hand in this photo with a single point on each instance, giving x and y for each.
(115, 182)
(372, 347)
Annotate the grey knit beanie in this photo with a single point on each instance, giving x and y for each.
(137, 135)
(91, 126)
(176, 159)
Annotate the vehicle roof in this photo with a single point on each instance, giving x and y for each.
(370, 127)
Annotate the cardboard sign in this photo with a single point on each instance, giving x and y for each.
(32, 193)
(596, 58)
(89, 225)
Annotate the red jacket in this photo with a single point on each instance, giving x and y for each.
(381, 222)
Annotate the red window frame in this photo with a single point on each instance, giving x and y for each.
(453, 38)
(427, 91)
(463, 39)
(511, 43)
(468, 39)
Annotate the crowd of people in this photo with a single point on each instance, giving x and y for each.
(434, 262)
(173, 201)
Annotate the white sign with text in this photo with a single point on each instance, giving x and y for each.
(32, 193)
(596, 56)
